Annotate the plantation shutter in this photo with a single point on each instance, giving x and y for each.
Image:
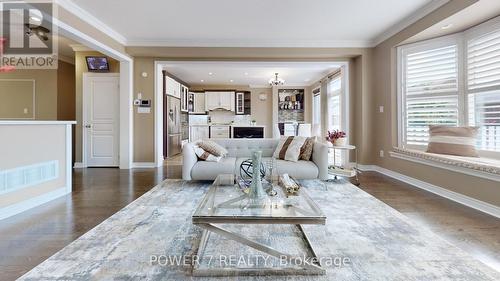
(483, 88)
(430, 91)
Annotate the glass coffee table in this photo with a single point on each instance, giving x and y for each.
(226, 208)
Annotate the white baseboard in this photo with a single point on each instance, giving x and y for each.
(443, 192)
(79, 165)
(20, 207)
(144, 165)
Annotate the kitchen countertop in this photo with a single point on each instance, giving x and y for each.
(236, 125)
(239, 125)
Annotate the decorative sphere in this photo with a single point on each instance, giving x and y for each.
(246, 171)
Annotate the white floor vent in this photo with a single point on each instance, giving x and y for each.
(25, 176)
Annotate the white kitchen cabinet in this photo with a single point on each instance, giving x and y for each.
(184, 98)
(199, 103)
(219, 132)
(240, 103)
(172, 87)
(219, 100)
(198, 133)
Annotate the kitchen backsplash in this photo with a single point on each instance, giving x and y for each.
(220, 117)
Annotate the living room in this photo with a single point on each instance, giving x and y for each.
(324, 147)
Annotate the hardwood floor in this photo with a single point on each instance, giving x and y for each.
(31, 237)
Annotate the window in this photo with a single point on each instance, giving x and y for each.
(316, 122)
(334, 106)
(334, 90)
(452, 80)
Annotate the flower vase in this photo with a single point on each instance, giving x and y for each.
(340, 142)
(256, 189)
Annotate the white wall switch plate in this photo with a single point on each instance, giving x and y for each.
(25, 111)
(381, 109)
(381, 153)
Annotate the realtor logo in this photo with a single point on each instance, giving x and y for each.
(28, 35)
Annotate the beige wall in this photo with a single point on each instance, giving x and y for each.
(45, 95)
(66, 91)
(42, 143)
(80, 69)
(385, 124)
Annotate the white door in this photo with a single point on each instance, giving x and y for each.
(101, 119)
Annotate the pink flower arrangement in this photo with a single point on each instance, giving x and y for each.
(335, 135)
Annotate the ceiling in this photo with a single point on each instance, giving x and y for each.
(466, 18)
(255, 74)
(251, 23)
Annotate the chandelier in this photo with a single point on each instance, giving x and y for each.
(276, 81)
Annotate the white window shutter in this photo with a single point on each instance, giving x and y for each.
(483, 88)
(430, 79)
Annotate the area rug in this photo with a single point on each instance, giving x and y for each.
(367, 240)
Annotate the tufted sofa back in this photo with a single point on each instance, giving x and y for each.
(244, 147)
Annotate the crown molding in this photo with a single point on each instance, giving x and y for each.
(422, 12)
(66, 59)
(92, 20)
(80, 48)
(138, 42)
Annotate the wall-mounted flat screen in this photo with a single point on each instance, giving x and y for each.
(97, 64)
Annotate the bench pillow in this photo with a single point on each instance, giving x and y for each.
(452, 140)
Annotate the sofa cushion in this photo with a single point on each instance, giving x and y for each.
(306, 150)
(212, 148)
(289, 148)
(245, 147)
(205, 155)
(299, 170)
(204, 170)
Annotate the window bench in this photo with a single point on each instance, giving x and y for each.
(476, 166)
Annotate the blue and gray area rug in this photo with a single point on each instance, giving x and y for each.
(153, 239)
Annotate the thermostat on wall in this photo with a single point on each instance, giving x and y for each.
(145, 103)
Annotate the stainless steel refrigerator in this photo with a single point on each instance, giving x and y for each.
(173, 126)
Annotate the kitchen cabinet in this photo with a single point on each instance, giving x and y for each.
(198, 103)
(172, 87)
(219, 100)
(184, 98)
(198, 133)
(243, 103)
(220, 132)
(240, 101)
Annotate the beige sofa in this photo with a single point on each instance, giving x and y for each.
(241, 149)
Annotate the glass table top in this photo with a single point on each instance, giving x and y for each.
(229, 204)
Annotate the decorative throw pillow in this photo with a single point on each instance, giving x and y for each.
(205, 155)
(213, 148)
(289, 148)
(307, 149)
(452, 140)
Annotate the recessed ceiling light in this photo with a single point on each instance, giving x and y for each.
(210, 73)
(447, 26)
(231, 80)
(202, 80)
(35, 19)
(246, 73)
(307, 79)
